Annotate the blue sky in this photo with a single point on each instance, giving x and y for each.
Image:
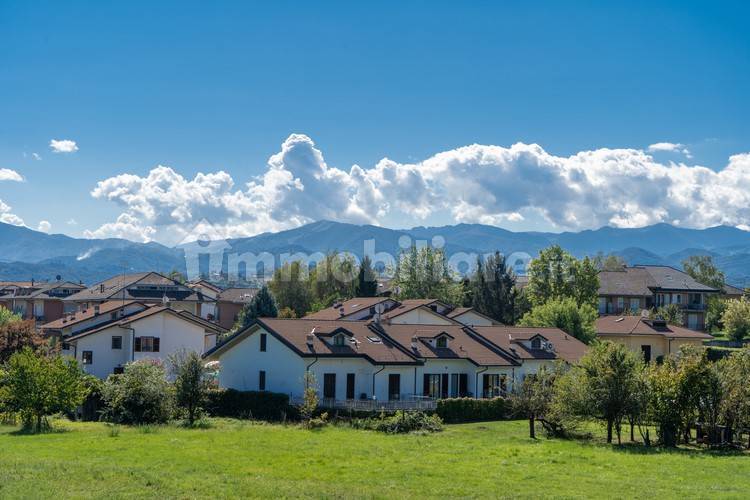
(207, 88)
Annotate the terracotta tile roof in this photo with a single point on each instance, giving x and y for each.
(368, 342)
(350, 307)
(636, 325)
(461, 346)
(566, 347)
(237, 295)
(80, 316)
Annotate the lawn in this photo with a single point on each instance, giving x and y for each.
(238, 458)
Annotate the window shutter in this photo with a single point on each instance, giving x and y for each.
(485, 385)
(426, 390)
(156, 344)
(137, 344)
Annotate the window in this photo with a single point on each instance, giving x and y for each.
(459, 385)
(339, 340)
(635, 305)
(394, 387)
(620, 303)
(119, 370)
(350, 378)
(646, 350)
(329, 385)
(435, 385)
(116, 342)
(442, 342)
(262, 342)
(65, 346)
(536, 343)
(493, 385)
(87, 357)
(147, 344)
(262, 380)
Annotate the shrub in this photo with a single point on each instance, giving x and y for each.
(191, 383)
(457, 410)
(35, 386)
(140, 395)
(736, 319)
(401, 422)
(93, 405)
(250, 404)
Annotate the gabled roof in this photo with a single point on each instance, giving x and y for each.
(42, 290)
(460, 311)
(349, 307)
(408, 305)
(637, 325)
(645, 280)
(366, 342)
(132, 318)
(463, 344)
(117, 288)
(565, 347)
(733, 290)
(237, 295)
(81, 316)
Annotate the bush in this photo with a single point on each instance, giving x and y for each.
(140, 395)
(401, 422)
(93, 406)
(736, 319)
(270, 406)
(191, 383)
(457, 410)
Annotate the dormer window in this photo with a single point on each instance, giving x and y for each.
(536, 343)
(339, 339)
(441, 342)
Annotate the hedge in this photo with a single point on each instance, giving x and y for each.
(258, 405)
(457, 410)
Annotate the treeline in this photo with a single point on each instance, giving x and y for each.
(611, 384)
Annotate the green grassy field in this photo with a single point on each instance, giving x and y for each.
(236, 458)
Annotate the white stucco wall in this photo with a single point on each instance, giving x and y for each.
(420, 317)
(473, 319)
(105, 359)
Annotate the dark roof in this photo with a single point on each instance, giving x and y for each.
(80, 316)
(733, 290)
(637, 325)
(237, 295)
(350, 307)
(187, 316)
(408, 305)
(42, 290)
(511, 338)
(368, 343)
(463, 310)
(463, 344)
(644, 280)
(120, 287)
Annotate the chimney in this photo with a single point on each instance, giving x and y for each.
(101, 288)
(414, 341)
(310, 338)
(96, 310)
(341, 311)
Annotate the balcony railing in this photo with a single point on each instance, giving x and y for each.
(412, 403)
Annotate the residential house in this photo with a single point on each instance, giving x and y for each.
(733, 292)
(471, 317)
(654, 338)
(149, 287)
(209, 309)
(104, 343)
(636, 288)
(380, 360)
(42, 302)
(230, 303)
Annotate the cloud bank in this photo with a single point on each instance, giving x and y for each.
(476, 183)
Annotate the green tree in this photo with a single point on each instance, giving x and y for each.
(534, 395)
(262, 305)
(609, 262)
(736, 319)
(664, 392)
(140, 395)
(493, 291)
(603, 385)
(17, 334)
(735, 405)
(36, 386)
(290, 288)
(367, 282)
(670, 313)
(310, 397)
(703, 270)
(332, 279)
(715, 307)
(191, 383)
(424, 274)
(565, 314)
(177, 276)
(556, 274)
(8, 316)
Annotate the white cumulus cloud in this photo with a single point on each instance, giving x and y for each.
(44, 226)
(7, 174)
(476, 183)
(63, 146)
(126, 226)
(673, 147)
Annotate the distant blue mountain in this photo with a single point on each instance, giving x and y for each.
(25, 253)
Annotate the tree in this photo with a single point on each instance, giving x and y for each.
(310, 397)
(556, 274)
(367, 282)
(565, 314)
(7, 316)
(610, 262)
(736, 319)
(333, 279)
(493, 291)
(533, 396)
(262, 305)
(715, 307)
(664, 392)
(424, 274)
(703, 270)
(670, 313)
(290, 288)
(140, 395)
(17, 334)
(36, 386)
(735, 405)
(177, 276)
(604, 383)
(191, 383)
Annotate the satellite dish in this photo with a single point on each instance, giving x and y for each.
(379, 308)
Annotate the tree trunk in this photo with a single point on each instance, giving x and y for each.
(609, 431)
(532, 432)
(632, 432)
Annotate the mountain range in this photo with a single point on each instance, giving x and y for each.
(26, 254)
